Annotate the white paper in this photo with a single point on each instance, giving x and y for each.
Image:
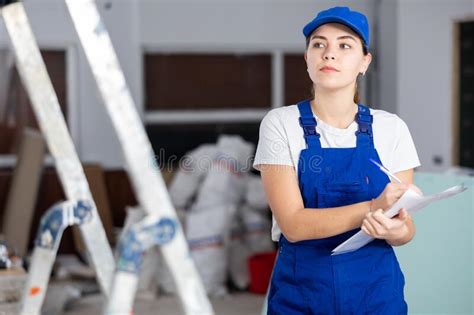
(411, 201)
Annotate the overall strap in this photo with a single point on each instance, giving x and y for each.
(364, 133)
(308, 123)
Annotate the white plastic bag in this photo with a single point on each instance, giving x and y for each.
(257, 230)
(255, 195)
(208, 233)
(193, 168)
(238, 255)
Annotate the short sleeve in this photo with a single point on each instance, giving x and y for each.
(272, 145)
(405, 155)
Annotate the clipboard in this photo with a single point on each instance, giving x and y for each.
(411, 201)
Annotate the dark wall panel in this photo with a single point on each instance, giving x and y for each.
(18, 112)
(466, 92)
(187, 81)
(297, 82)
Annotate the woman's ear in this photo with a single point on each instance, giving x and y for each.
(366, 63)
(306, 60)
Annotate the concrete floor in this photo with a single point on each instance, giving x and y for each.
(232, 304)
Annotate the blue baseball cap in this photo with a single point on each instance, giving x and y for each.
(355, 20)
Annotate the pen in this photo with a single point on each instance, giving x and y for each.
(386, 171)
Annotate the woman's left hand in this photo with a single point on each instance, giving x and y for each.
(377, 225)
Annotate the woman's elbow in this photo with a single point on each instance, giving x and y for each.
(291, 226)
(291, 233)
(290, 237)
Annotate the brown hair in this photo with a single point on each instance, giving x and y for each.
(365, 51)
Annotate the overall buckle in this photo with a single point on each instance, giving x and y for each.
(309, 126)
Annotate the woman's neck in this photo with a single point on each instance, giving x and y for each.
(336, 108)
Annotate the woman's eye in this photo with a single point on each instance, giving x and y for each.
(345, 46)
(318, 45)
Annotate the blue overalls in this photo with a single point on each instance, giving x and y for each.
(306, 278)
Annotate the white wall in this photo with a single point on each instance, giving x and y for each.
(414, 57)
(425, 63)
(245, 23)
(387, 56)
(98, 140)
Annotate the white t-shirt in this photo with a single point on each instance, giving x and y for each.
(281, 141)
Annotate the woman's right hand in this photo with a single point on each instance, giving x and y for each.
(390, 195)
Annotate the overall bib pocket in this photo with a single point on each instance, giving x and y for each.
(338, 194)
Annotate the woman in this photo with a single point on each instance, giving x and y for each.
(314, 159)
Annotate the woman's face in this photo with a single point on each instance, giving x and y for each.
(335, 46)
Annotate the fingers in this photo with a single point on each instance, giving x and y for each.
(377, 225)
(391, 223)
(381, 219)
(394, 191)
(366, 230)
(403, 214)
(372, 227)
(398, 189)
(390, 195)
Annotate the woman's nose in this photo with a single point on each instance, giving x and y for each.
(329, 56)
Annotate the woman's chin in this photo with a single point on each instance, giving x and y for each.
(329, 86)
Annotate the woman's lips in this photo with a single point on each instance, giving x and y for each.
(328, 69)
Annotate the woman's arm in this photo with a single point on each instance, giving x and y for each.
(298, 223)
(396, 231)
